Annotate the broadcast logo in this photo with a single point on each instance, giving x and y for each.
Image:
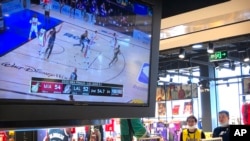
(239, 132)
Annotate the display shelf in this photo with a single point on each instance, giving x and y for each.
(177, 102)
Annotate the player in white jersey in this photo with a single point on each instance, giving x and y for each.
(114, 41)
(93, 37)
(34, 23)
(42, 40)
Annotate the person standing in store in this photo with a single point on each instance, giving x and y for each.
(223, 129)
(132, 127)
(192, 133)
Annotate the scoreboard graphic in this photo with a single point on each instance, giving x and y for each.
(58, 86)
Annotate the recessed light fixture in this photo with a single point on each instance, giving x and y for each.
(182, 53)
(197, 46)
(246, 59)
(210, 48)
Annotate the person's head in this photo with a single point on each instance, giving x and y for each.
(188, 108)
(224, 118)
(191, 122)
(75, 70)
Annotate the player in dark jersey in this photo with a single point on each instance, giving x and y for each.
(58, 134)
(73, 75)
(84, 39)
(52, 37)
(67, 89)
(116, 52)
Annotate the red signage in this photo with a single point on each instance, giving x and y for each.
(3, 136)
(110, 127)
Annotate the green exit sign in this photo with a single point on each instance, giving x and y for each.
(218, 55)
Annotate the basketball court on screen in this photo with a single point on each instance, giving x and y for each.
(25, 62)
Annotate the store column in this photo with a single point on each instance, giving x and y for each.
(208, 99)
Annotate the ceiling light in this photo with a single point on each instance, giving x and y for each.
(182, 53)
(197, 46)
(246, 59)
(210, 48)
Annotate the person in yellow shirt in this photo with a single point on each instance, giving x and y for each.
(192, 133)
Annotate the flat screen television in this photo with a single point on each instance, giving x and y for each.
(68, 61)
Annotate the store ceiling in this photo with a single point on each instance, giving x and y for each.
(237, 48)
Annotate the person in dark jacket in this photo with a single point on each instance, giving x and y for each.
(223, 129)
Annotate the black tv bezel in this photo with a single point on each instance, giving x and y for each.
(19, 114)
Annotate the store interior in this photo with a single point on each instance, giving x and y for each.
(189, 77)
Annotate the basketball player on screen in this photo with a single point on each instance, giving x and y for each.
(81, 39)
(86, 56)
(93, 38)
(114, 41)
(116, 52)
(47, 12)
(42, 39)
(58, 134)
(52, 37)
(34, 23)
(84, 39)
(67, 89)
